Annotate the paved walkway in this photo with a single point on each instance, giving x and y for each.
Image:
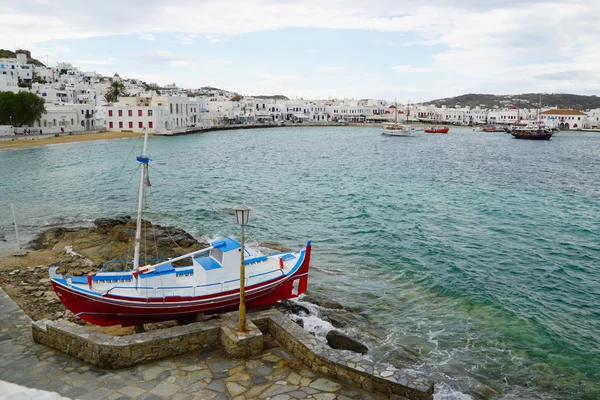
(274, 375)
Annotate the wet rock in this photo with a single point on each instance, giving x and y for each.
(300, 322)
(49, 238)
(337, 323)
(322, 301)
(105, 225)
(341, 341)
(293, 307)
(123, 233)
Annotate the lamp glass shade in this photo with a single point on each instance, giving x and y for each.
(242, 213)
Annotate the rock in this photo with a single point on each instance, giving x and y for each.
(300, 322)
(15, 272)
(38, 294)
(322, 301)
(122, 233)
(105, 225)
(293, 307)
(337, 323)
(48, 238)
(339, 340)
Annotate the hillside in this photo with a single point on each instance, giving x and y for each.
(275, 96)
(528, 100)
(11, 54)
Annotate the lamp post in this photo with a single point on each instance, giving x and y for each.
(242, 213)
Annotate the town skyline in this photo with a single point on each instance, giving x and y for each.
(315, 50)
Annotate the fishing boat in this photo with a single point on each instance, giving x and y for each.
(397, 129)
(207, 283)
(437, 129)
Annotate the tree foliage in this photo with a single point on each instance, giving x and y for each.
(20, 109)
(237, 97)
(116, 90)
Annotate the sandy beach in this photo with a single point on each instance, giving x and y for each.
(14, 142)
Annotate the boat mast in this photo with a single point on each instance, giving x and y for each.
(538, 111)
(143, 159)
(407, 111)
(519, 110)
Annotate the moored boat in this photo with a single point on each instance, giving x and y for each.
(397, 129)
(437, 129)
(535, 131)
(208, 283)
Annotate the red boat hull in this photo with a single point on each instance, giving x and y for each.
(441, 130)
(108, 310)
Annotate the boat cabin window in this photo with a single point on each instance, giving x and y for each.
(217, 255)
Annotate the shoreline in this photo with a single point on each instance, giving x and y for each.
(21, 142)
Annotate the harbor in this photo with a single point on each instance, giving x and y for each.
(433, 247)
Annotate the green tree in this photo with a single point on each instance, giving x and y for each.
(20, 109)
(116, 90)
(237, 97)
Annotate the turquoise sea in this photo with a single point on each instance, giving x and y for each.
(472, 257)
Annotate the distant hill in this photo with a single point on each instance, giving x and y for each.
(528, 100)
(275, 96)
(11, 54)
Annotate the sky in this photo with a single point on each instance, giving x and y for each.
(386, 49)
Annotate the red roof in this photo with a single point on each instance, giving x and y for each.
(512, 108)
(392, 106)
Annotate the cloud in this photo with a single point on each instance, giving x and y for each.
(163, 57)
(146, 36)
(408, 69)
(216, 39)
(493, 45)
(327, 69)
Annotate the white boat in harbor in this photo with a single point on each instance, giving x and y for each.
(397, 129)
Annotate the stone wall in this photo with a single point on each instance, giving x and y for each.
(354, 371)
(115, 352)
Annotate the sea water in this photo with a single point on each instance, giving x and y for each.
(471, 257)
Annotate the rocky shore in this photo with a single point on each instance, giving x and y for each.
(79, 251)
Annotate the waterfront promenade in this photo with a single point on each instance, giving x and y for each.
(208, 374)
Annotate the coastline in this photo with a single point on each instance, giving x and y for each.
(18, 142)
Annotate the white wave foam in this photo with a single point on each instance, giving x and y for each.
(445, 392)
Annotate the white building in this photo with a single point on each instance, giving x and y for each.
(564, 119)
(160, 114)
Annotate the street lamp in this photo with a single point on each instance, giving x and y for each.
(242, 213)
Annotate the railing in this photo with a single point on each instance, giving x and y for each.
(163, 288)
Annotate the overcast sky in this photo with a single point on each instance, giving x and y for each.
(417, 50)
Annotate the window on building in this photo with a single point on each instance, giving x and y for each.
(110, 113)
(110, 125)
(130, 124)
(120, 124)
(171, 106)
(139, 113)
(140, 124)
(130, 113)
(150, 124)
(120, 113)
